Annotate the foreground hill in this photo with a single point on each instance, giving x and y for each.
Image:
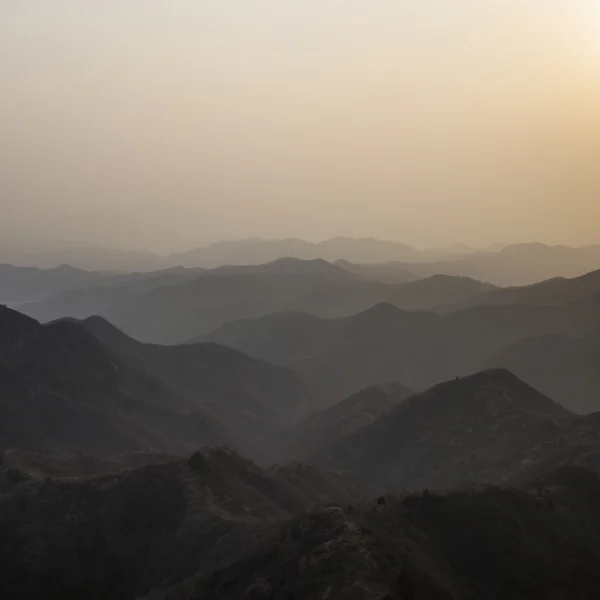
(487, 428)
(344, 418)
(252, 397)
(539, 541)
(62, 391)
(124, 534)
(339, 357)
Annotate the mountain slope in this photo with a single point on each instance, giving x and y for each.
(539, 541)
(490, 427)
(121, 535)
(254, 398)
(344, 418)
(62, 391)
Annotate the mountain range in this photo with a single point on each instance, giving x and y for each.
(518, 264)
(66, 389)
(302, 429)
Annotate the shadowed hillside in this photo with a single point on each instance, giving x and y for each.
(62, 391)
(254, 398)
(539, 541)
(121, 535)
(487, 428)
(340, 420)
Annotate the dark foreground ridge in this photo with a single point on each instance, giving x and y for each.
(217, 527)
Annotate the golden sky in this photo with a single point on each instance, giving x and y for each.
(165, 124)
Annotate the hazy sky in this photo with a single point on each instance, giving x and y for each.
(166, 124)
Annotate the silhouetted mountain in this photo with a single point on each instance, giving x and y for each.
(28, 284)
(553, 292)
(518, 265)
(62, 391)
(257, 251)
(252, 397)
(338, 357)
(564, 366)
(122, 535)
(107, 291)
(177, 313)
(80, 255)
(539, 541)
(487, 428)
(344, 418)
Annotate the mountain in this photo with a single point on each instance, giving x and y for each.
(564, 366)
(339, 357)
(102, 294)
(123, 534)
(539, 541)
(487, 428)
(176, 313)
(344, 418)
(252, 397)
(62, 391)
(517, 265)
(553, 292)
(29, 284)
(81, 255)
(255, 251)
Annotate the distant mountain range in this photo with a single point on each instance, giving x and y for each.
(175, 306)
(394, 262)
(341, 356)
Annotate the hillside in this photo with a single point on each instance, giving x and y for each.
(61, 391)
(252, 397)
(124, 534)
(340, 420)
(539, 541)
(487, 428)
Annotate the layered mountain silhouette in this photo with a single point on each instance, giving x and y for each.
(341, 356)
(252, 397)
(552, 292)
(487, 428)
(519, 264)
(65, 389)
(516, 265)
(62, 391)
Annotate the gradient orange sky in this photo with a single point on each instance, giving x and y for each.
(165, 124)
